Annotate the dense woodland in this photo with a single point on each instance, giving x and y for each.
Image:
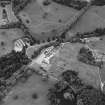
(78, 93)
(12, 62)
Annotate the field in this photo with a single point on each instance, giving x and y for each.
(21, 94)
(93, 18)
(44, 19)
(69, 62)
(41, 20)
(25, 90)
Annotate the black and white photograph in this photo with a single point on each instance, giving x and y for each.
(52, 52)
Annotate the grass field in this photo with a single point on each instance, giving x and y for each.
(44, 19)
(93, 18)
(24, 92)
(7, 37)
(90, 21)
(67, 61)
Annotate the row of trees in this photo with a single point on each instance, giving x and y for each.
(98, 32)
(10, 25)
(77, 38)
(76, 4)
(49, 39)
(76, 93)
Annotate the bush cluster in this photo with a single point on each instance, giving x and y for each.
(11, 62)
(18, 5)
(76, 4)
(64, 94)
(86, 56)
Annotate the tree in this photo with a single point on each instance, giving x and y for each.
(71, 77)
(91, 96)
(63, 36)
(48, 39)
(53, 38)
(61, 94)
(99, 31)
(98, 2)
